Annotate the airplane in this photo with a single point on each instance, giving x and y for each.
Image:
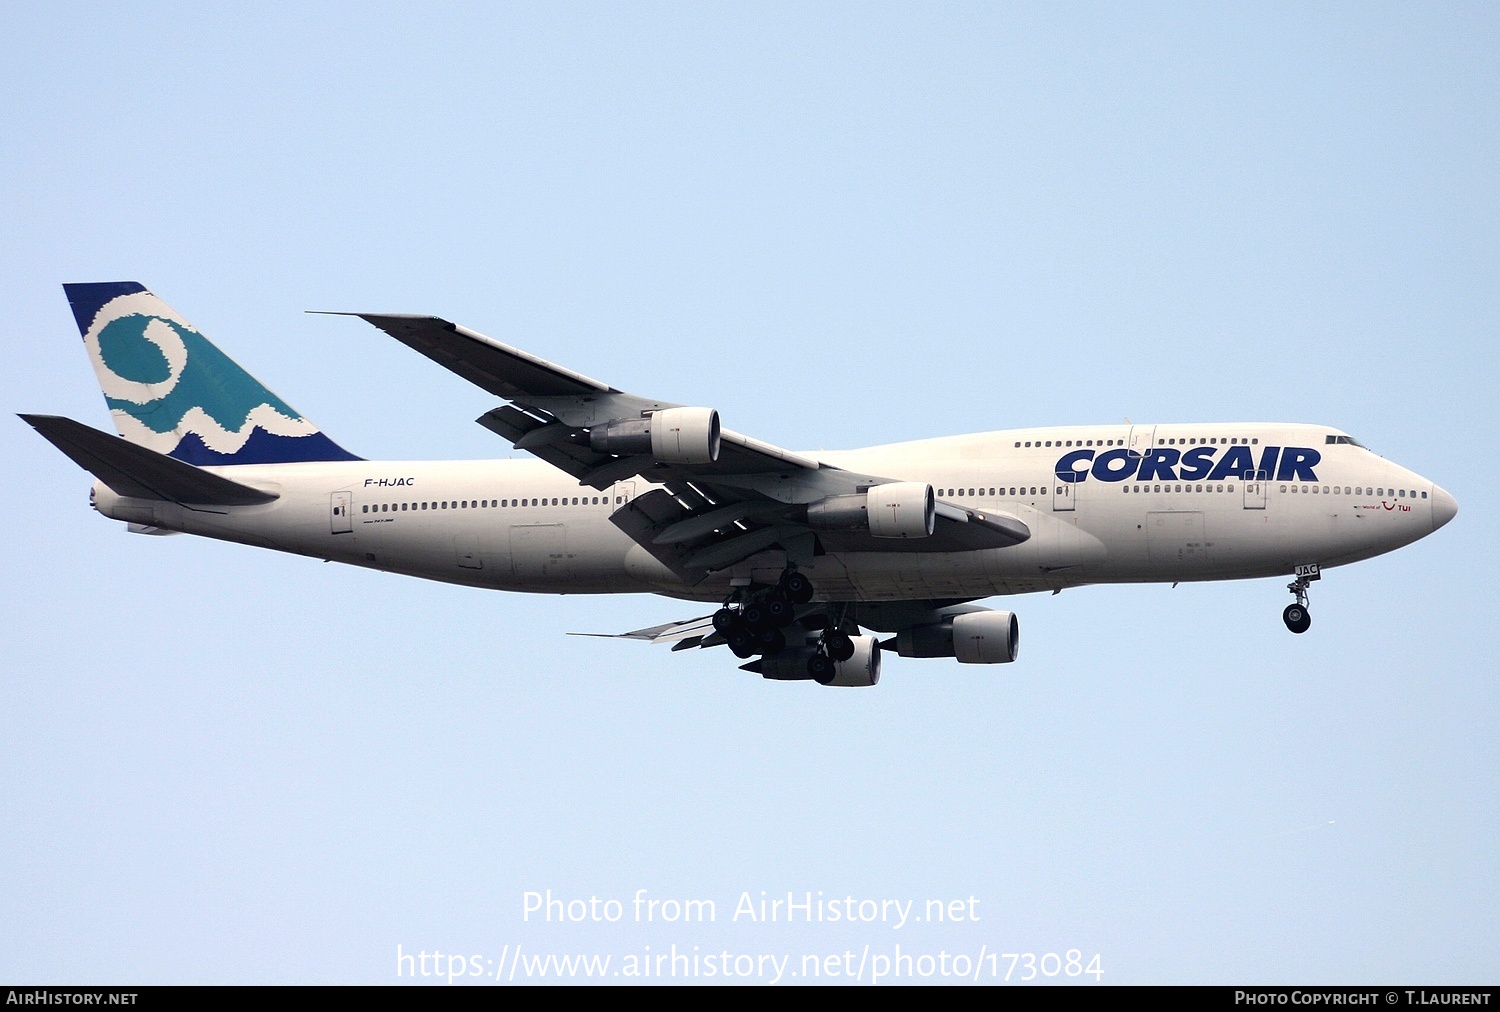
(802, 551)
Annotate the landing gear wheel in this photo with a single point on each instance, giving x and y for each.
(1296, 618)
(723, 621)
(770, 641)
(798, 588)
(779, 609)
(756, 616)
(820, 667)
(839, 646)
(742, 641)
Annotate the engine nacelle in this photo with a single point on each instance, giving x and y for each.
(902, 509)
(861, 669)
(672, 436)
(980, 637)
(986, 637)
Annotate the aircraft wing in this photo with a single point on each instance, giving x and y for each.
(682, 635)
(715, 510)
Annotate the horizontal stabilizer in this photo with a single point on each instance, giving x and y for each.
(141, 473)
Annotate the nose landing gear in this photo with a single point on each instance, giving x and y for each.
(1296, 616)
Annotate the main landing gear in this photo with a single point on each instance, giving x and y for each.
(754, 627)
(1296, 616)
(833, 648)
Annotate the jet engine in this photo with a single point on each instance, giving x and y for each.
(672, 436)
(900, 509)
(978, 637)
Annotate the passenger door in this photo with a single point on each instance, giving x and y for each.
(341, 513)
(1255, 490)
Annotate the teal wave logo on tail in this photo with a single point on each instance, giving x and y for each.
(169, 388)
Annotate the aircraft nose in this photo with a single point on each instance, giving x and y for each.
(1444, 507)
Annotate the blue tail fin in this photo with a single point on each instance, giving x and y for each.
(169, 389)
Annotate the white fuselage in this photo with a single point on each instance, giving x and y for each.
(523, 525)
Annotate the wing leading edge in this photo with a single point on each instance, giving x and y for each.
(751, 497)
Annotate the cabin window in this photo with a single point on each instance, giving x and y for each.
(364, 509)
(1424, 495)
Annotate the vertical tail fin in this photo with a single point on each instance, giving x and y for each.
(171, 390)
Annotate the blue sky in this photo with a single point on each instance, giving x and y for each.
(840, 226)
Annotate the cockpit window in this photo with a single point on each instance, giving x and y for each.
(1330, 440)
